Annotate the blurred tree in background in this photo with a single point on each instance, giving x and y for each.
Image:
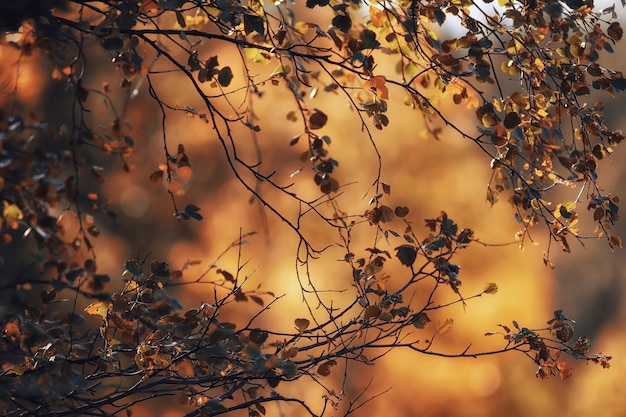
(520, 82)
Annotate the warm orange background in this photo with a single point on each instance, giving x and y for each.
(425, 175)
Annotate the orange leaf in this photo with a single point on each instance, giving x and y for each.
(377, 16)
(377, 85)
(185, 173)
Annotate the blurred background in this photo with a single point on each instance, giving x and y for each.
(426, 175)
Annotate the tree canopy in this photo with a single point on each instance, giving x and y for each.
(522, 82)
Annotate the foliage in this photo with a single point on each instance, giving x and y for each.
(540, 59)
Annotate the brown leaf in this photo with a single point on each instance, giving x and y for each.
(227, 275)
(615, 242)
(511, 120)
(302, 324)
(372, 311)
(565, 371)
(375, 266)
(324, 369)
(490, 288)
(387, 214)
(401, 211)
(317, 120)
(420, 320)
(615, 31)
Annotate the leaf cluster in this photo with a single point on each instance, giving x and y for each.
(525, 70)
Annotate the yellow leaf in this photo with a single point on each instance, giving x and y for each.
(196, 21)
(256, 55)
(431, 34)
(471, 102)
(377, 16)
(302, 27)
(411, 70)
(535, 203)
(12, 213)
(99, 308)
(212, 11)
(488, 120)
(569, 205)
(131, 286)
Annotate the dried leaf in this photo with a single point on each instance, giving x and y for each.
(615, 242)
(490, 288)
(302, 324)
(420, 320)
(227, 275)
(324, 369)
(401, 211)
(372, 311)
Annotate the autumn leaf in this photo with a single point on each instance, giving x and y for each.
(444, 326)
(302, 324)
(406, 254)
(420, 320)
(225, 76)
(377, 85)
(227, 275)
(324, 369)
(99, 308)
(12, 213)
(490, 288)
(377, 16)
(401, 211)
(317, 120)
(372, 311)
(615, 242)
